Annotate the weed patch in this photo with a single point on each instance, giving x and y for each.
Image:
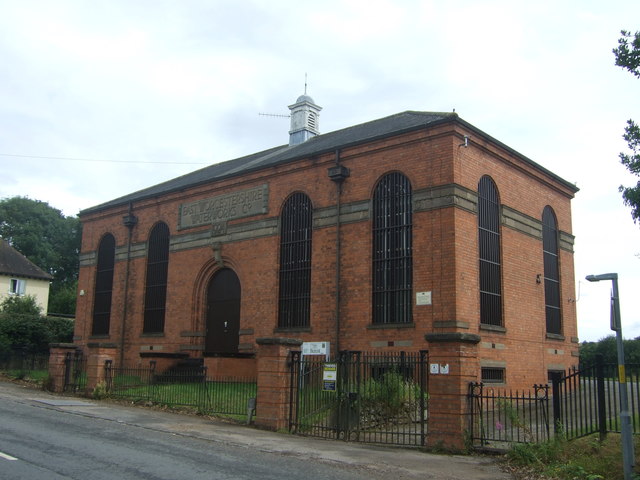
(582, 459)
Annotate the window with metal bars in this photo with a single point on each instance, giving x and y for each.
(489, 253)
(551, 271)
(392, 250)
(103, 286)
(493, 375)
(155, 297)
(295, 262)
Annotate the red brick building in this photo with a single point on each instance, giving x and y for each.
(380, 237)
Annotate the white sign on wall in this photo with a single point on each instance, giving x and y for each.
(316, 348)
(423, 298)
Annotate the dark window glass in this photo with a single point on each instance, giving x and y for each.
(392, 250)
(551, 271)
(493, 375)
(489, 253)
(104, 286)
(156, 280)
(295, 262)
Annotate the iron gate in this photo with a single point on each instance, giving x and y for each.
(75, 376)
(364, 397)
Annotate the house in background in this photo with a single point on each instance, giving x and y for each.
(19, 276)
(407, 233)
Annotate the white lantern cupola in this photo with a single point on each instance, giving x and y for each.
(305, 116)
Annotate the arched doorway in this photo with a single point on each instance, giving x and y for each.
(223, 313)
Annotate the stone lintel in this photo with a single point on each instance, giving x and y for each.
(291, 342)
(453, 337)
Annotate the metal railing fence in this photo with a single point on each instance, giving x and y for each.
(577, 403)
(500, 417)
(185, 388)
(21, 364)
(365, 397)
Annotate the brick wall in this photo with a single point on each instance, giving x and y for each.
(445, 256)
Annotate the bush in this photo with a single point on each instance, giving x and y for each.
(23, 328)
(391, 397)
(20, 305)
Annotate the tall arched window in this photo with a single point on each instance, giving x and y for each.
(295, 262)
(104, 285)
(392, 250)
(156, 280)
(551, 271)
(489, 253)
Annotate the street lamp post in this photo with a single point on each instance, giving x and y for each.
(625, 417)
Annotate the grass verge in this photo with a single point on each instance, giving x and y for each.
(582, 459)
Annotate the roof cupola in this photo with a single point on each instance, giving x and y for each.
(305, 115)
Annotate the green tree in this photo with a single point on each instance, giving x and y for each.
(627, 56)
(47, 238)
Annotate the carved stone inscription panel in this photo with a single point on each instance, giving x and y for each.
(245, 203)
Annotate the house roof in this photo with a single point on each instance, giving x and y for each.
(13, 263)
(366, 132)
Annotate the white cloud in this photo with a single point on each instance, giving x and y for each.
(184, 81)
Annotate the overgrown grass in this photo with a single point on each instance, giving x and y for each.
(207, 397)
(582, 459)
(36, 376)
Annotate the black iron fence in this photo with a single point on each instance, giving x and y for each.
(75, 372)
(24, 365)
(587, 401)
(501, 417)
(186, 387)
(373, 398)
(575, 404)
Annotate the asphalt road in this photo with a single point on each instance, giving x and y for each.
(43, 436)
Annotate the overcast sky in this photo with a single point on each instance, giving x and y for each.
(103, 98)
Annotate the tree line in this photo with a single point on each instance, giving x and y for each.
(608, 349)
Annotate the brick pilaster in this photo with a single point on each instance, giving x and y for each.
(448, 406)
(272, 410)
(99, 353)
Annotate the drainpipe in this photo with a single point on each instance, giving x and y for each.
(338, 174)
(129, 221)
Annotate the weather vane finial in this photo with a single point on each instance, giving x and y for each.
(305, 83)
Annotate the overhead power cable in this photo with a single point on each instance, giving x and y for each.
(98, 160)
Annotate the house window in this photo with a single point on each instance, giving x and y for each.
(392, 250)
(17, 286)
(551, 271)
(493, 375)
(156, 280)
(489, 253)
(295, 262)
(104, 285)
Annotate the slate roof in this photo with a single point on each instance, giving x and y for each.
(13, 263)
(366, 132)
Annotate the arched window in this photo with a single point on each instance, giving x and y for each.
(392, 250)
(295, 262)
(104, 285)
(156, 280)
(489, 253)
(551, 271)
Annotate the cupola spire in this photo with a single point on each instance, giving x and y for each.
(304, 119)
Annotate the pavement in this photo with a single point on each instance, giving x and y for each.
(381, 461)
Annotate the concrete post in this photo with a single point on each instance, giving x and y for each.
(456, 357)
(272, 409)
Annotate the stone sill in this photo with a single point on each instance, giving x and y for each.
(493, 328)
